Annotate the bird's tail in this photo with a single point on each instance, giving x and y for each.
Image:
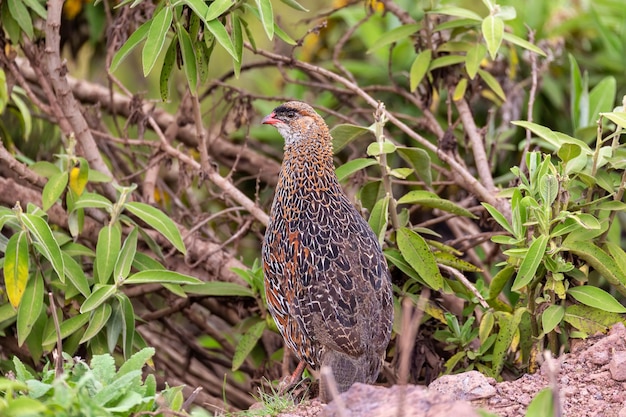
(345, 370)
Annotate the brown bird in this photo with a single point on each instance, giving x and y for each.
(326, 279)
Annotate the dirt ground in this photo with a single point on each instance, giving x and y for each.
(590, 381)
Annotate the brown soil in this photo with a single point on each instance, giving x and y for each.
(590, 381)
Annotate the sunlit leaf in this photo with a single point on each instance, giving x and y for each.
(596, 297)
(419, 68)
(418, 254)
(107, 249)
(394, 35)
(530, 263)
(156, 39)
(159, 222)
(353, 166)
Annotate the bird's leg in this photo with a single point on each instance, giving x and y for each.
(293, 379)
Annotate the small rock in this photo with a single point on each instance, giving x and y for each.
(622, 412)
(408, 401)
(468, 386)
(600, 357)
(617, 366)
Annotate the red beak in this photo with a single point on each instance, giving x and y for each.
(269, 119)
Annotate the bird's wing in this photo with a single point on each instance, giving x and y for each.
(345, 298)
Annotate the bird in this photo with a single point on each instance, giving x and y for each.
(327, 283)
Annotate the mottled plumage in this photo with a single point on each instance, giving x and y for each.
(326, 280)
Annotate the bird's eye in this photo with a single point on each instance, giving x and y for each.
(291, 114)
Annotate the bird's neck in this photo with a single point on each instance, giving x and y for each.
(308, 163)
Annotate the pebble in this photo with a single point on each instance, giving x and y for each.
(617, 366)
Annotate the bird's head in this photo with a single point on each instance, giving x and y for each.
(297, 121)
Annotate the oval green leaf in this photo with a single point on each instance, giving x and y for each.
(30, 307)
(161, 23)
(353, 166)
(159, 222)
(418, 255)
(432, 200)
(493, 31)
(97, 321)
(247, 342)
(419, 68)
(220, 289)
(395, 35)
(44, 242)
(100, 294)
(552, 317)
(159, 276)
(530, 263)
(107, 250)
(597, 298)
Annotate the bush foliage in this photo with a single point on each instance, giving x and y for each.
(482, 141)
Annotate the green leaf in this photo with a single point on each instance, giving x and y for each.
(45, 242)
(600, 261)
(509, 37)
(432, 200)
(568, 151)
(295, 5)
(378, 148)
(530, 263)
(267, 16)
(20, 13)
(125, 257)
(379, 218)
(596, 297)
(419, 68)
(418, 254)
(221, 35)
(93, 200)
(100, 294)
(137, 361)
(542, 405)
(16, 265)
(458, 12)
(97, 321)
(107, 250)
(128, 323)
(220, 289)
(237, 43)
(556, 139)
(446, 61)
(247, 342)
(53, 189)
(419, 160)
(449, 259)
(36, 7)
(24, 112)
(508, 324)
(166, 70)
(498, 282)
(189, 58)
(394, 35)
(590, 320)
(459, 90)
(155, 41)
(75, 274)
(353, 166)
(601, 98)
(159, 222)
(30, 307)
(135, 39)
(396, 258)
(473, 58)
(199, 7)
(493, 30)
(552, 317)
(343, 134)
(217, 8)
(160, 276)
(617, 118)
(68, 327)
(548, 189)
(45, 169)
(492, 83)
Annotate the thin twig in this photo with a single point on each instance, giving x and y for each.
(58, 354)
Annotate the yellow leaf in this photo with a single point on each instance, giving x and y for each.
(16, 268)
